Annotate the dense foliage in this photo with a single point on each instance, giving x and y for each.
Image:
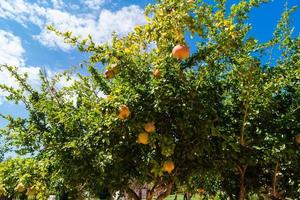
(224, 118)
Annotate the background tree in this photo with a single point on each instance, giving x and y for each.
(21, 177)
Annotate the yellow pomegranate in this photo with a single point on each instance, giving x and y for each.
(143, 138)
(109, 74)
(169, 166)
(156, 73)
(149, 127)
(114, 68)
(3, 191)
(181, 51)
(124, 112)
(20, 187)
(297, 138)
(200, 190)
(111, 71)
(31, 191)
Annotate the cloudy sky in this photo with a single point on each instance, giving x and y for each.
(24, 41)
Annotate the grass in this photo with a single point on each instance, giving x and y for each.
(180, 197)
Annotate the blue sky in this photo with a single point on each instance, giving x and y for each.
(25, 42)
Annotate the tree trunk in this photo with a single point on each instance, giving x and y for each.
(175, 197)
(167, 192)
(186, 196)
(65, 196)
(242, 192)
(242, 169)
(150, 193)
(132, 194)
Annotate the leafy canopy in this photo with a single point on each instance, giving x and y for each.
(222, 114)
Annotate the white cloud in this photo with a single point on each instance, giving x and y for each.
(11, 50)
(94, 4)
(50, 40)
(33, 79)
(43, 13)
(100, 26)
(5, 78)
(122, 22)
(57, 4)
(12, 53)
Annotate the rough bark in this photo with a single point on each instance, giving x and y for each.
(167, 191)
(242, 192)
(132, 194)
(150, 193)
(186, 196)
(242, 169)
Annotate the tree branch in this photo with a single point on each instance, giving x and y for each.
(150, 192)
(243, 128)
(132, 194)
(167, 192)
(274, 181)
